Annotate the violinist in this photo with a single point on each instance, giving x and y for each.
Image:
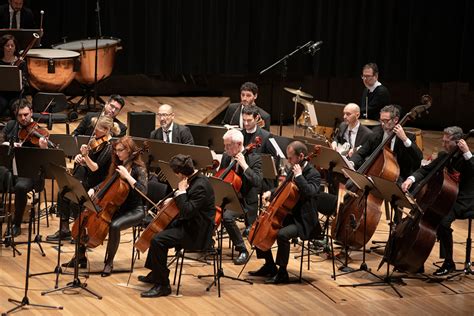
(91, 167)
(190, 230)
(11, 136)
(248, 95)
(249, 168)
(9, 53)
(302, 222)
(131, 212)
(462, 163)
(111, 109)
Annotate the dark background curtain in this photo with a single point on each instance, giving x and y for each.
(212, 46)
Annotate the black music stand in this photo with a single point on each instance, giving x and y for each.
(5, 160)
(23, 36)
(171, 177)
(75, 192)
(209, 136)
(68, 143)
(269, 170)
(332, 161)
(32, 166)
(201, 155)
(367, 185)
(226, 198)
(33, 163)
(328, 113)
(11, 78)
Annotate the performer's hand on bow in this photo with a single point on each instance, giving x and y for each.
(241, 161)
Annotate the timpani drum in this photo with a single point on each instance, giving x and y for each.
(106, 48)
(51, 70)
(418, 134)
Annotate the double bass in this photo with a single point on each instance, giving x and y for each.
(381, 163)
(263, 233)
(415, 236)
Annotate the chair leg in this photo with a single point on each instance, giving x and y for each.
(301, 260)
(467, 263)
(180, 273)
(177, 256)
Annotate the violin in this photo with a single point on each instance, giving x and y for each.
(95, 144)
(32, 133)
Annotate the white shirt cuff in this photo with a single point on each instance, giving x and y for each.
(407, 143)
(178, 192)
(467, 155)
(412, 178)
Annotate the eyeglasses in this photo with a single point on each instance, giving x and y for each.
(164, 114)
(366, 77)
(385, 121)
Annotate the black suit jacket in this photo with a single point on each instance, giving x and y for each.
(86, 127)
(181, 134)
(305, 213)
(27, 20)
(232, 115)
(408, 158)
(458, 163)
(375, 100)
(197, 212)
(363, 134)
(251, 182)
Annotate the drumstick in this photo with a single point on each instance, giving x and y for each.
(41, 21)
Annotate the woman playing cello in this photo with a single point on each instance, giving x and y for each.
(303, 220)
(131, 169)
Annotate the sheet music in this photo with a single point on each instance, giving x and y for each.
(277, 148)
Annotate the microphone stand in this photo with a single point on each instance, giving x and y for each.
(97, 35)
(283, 74)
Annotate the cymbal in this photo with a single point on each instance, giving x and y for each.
(298, 92)
(302, 101)
(368, 122)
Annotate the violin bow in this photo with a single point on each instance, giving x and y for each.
(31, 131)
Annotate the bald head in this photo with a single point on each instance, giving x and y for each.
(166, 116)
(165, 108)
(351, 114)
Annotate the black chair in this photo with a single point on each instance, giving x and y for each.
(53, 113)
(467, 262)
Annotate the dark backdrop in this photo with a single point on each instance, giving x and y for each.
(212, 46)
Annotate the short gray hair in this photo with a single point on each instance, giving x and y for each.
(234, 135)
(394, 110)
(455, 132)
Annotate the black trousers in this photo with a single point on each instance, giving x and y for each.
(157, 257)
(284, 236)
(21, 188)
(235, 235)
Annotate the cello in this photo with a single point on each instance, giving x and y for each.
(381, 163)
(415, 236)
(112, 193)
(263, 233)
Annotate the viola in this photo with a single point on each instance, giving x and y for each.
(263, 233)
(32, 133)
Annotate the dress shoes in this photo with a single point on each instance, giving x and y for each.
(246, 231)
(71, 264)
(242, 258)
(147, 278)
(280, 278)
(107, 270)
(65, 235)
(265, 271)
(157, 291)
(445, 269)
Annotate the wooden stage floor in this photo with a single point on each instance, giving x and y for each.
(318, 294)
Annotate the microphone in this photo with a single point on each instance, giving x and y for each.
(314, 48)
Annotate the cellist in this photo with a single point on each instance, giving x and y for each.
(190, 230)
(131, 212)
(249, 168)
(464, 164)
(303, 220)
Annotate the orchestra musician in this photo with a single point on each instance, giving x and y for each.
(351, 134)
(91, 168)
(131, 212)
(112, 108)
(248, 95)
(10, 135)
(375, 95)
(170, 131)
(249, 168)
(301, 222)
(464, 164)
(15, 15)
(190, 230)
(9, 54)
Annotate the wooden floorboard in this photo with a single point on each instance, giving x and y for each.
(319, 294)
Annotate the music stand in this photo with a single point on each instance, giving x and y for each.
(34, 164)
(12, 78)
(208, 135)
(171, 177)
(65, 142)
(23, 36)
(201, 155)
(226, 198)
(75, 192)
(31, 163)
(332, 161)
(367, 185)
(268, 166)
(329, 113)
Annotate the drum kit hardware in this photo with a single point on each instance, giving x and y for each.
(368, 122)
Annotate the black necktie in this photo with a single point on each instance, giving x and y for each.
(349, 136)
(167, 138)
(14, 26)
